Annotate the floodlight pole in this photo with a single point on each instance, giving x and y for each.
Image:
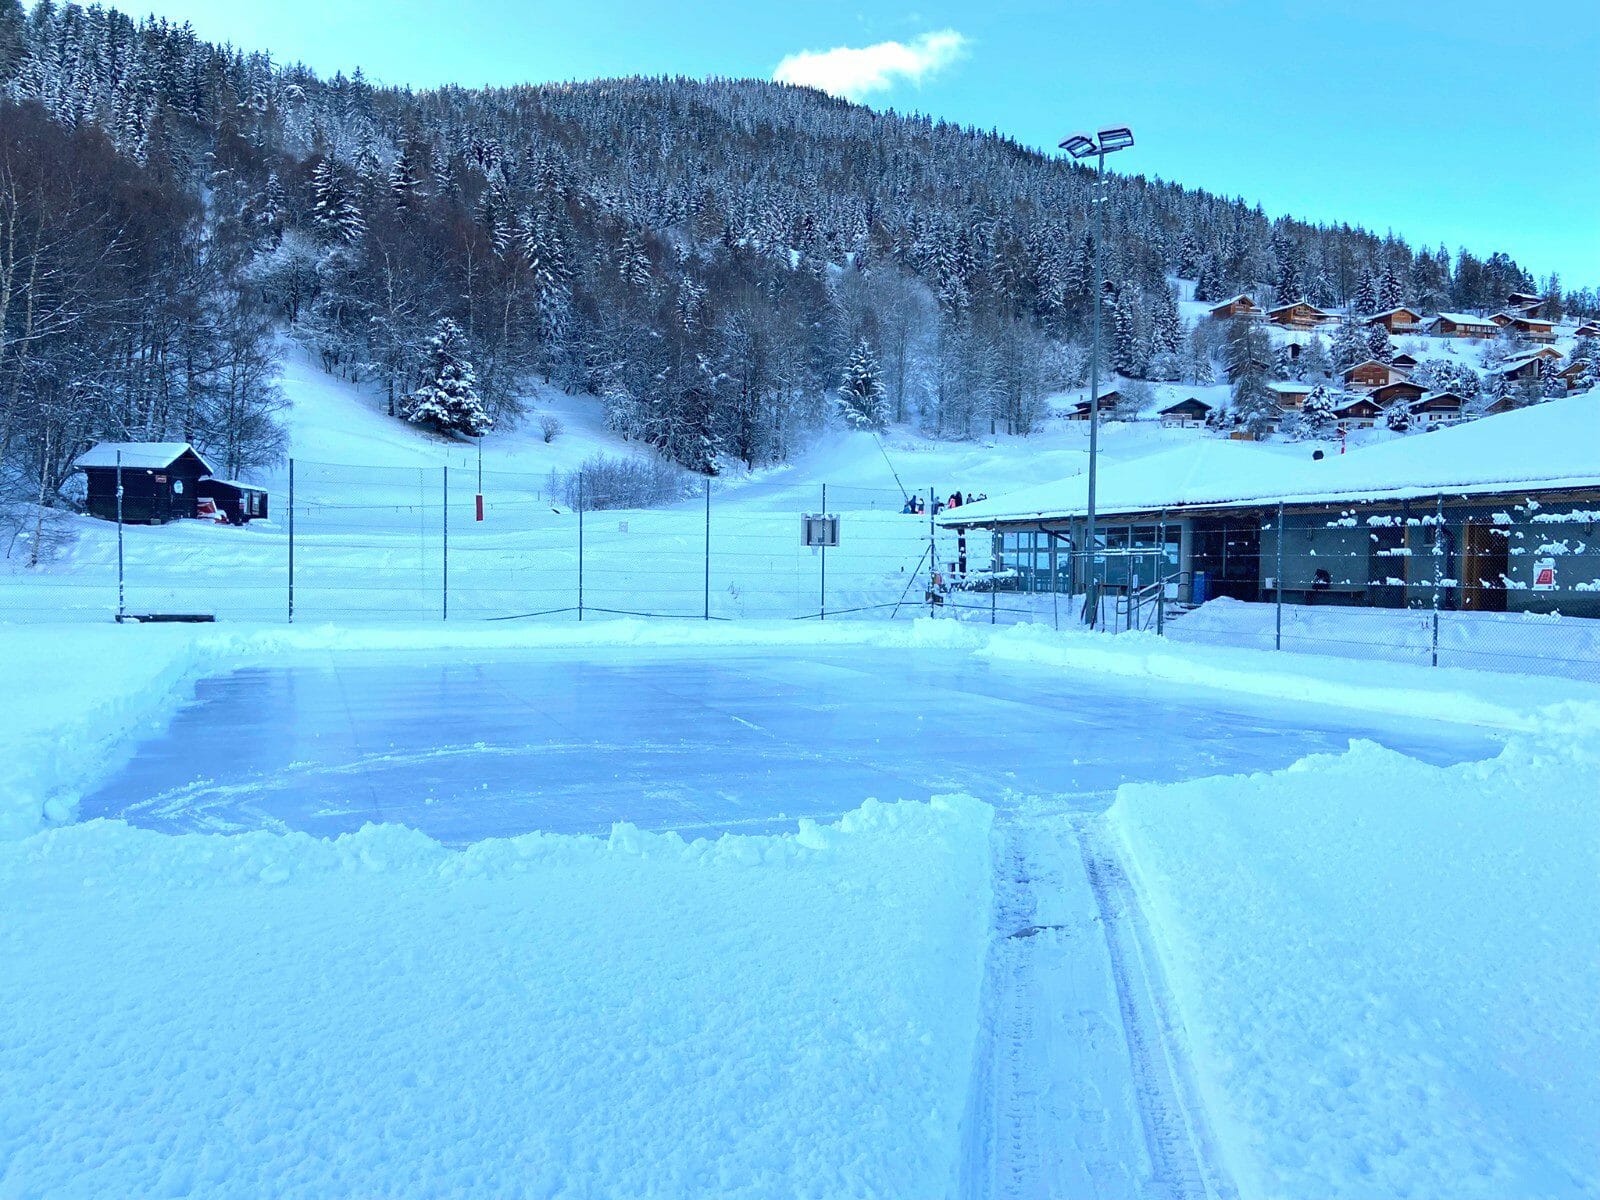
(1092, 604)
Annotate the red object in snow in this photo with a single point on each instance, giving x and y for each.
(480, 507)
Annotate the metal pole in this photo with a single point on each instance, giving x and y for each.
(1438, 572)
(291, 541)
(933, 554)
(446, 527)
(1094, 384)
(1277, 585)
(1055, 586)
(822, 606)
(580, 545)
(994, 571)
(708, 548)
(122, 593)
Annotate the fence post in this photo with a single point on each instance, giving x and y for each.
(1277, 587)
(822, 605)
(291, 541)
(708, 548)
(445, 608)
(933, 555)
(580, 544)
(122, 594)
(1438, 574)
(994, 572)
(1055, 584)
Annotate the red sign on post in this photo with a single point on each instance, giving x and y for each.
(480, 507)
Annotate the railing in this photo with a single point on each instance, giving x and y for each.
(1142, 607)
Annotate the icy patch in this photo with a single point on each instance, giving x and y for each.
(379, 1016)
(1388, 969)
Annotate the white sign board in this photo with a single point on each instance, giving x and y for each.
(1544, 575)
(819, 529)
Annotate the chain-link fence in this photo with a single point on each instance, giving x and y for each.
(1511, 583)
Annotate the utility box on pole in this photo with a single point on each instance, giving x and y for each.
(820, 529)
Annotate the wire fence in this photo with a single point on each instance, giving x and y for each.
(1512, 584)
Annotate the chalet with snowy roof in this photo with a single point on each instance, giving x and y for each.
(1361, 529)
(1462, 325)
(1398, 320)
(1360, 412)
(1402, 391)
(1302, 314)
(1186, 413)
(1108, 402)
(1369, 374)
(161, 482)
(1572, 374)
(1522, 368)
(1535, 329)
(1588, 329)
(1236, 306)
(1523, 302)
(1403, 362)
(1291, 393)
(1438, 408)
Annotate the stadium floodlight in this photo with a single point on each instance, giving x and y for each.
(1080, 146)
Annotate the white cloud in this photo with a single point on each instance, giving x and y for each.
(856, 72)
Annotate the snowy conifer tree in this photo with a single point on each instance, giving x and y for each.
(334, 210)
(1349, 345)
(1398, 416)
(1317, 411)
(861, 394)
(1365, 301)
(1314, 363)
(448, 399)
(1378, 344)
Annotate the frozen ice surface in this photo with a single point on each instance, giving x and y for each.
(679, 739)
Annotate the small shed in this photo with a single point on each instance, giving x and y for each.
(160, 480)
(238, 502)
(1192, 411)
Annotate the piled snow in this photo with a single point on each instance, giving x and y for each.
(1388, 969)
(378, 1016)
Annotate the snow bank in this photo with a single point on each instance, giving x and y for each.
(78, 694)
(1388, 969)
(251, 1015)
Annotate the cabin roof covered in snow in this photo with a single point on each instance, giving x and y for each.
(1389, 312)
(1463, 319)
(139, 455)
(1546, 446)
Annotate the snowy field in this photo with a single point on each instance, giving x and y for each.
(426, 910)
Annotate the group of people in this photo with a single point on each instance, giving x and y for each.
(916, 506)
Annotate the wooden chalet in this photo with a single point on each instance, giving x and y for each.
(1461, 325)
(1403, 362)
(1589, 329)
(1572, 373)
(1236, 306)
(1522, 368)
(1535, 329)
(1108, 403)
(1438, 408)
(1504, 404)
(1397, 320)
(1291, 394)
(1302, 314)
(1523, 302)
(1369, 374)
(1186, 413)
(1401, 391)
(1358, 413)
(159, 480)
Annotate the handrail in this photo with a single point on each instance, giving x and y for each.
(1132, 604)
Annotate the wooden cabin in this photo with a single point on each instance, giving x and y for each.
(1589, 329)
(1535, 329)
(1403, 362)
(1186, 413)
(1370, 374)
(1302, 314)
(1522, 368)
(1401, 391)
(237, 503)
(1397, 320)
(1461, 325)
(1291, 393)
(1237, 306)
(160, 480)
(1438, 408)
(1523, 302)
(1572, 373)
(1359, 413)
(1108, 403)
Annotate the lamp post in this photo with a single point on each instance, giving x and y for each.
(1081, 146)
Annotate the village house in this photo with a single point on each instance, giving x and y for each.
(1443, 521)
(1572, 374)
(1400, 391)
(1237, 306)
(1186, 413)
(1461, 325)
(1588, 329)
(1300, 315)
(1438, 408)
(1535, 329)
(1108, 403)
(1361, 412)
(1523, 368)
(1291, 393)
(1397, 320)
(161, 482)
(1370, 374)
(1523, 302)
(1403, 362)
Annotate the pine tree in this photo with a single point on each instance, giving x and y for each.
(1255, 406)
(1398, 416)
(448, 399)
(1349, 345)
(1391, 293)
(861, 394)
(334, 211)
(1317, 411)
(403, 180)
(1365, 301)
(1550, 382)
(1379, 346)
(1314, 363)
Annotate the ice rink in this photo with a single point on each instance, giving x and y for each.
(672, 739)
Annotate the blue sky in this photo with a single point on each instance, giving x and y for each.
(1469, 123)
